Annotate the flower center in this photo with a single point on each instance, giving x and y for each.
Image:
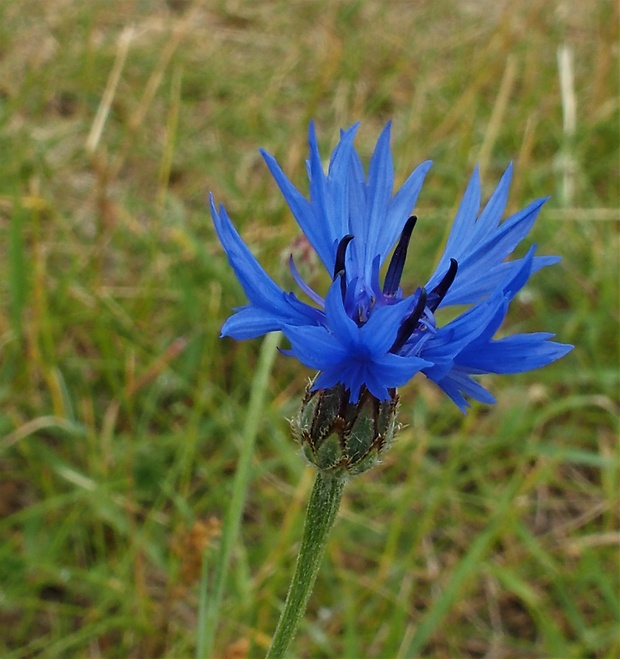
(426, 303)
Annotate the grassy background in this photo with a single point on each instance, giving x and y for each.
(493, 535)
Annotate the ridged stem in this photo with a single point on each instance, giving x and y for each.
(321, 514)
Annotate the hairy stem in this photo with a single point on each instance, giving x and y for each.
(321, 514)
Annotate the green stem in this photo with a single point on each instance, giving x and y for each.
(322, 509)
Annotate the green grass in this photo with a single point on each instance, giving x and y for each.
(123, 413)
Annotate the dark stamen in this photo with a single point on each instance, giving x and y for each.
(397, 263)
(439, 292)
(340, 254)
(339, 268)
(410, 323)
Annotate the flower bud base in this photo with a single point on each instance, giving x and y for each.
(339, 436)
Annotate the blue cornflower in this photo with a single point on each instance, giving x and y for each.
(373, 335)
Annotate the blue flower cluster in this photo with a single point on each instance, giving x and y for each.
(373, 335)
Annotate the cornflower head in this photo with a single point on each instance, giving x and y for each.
(367, 333)
(368, 337)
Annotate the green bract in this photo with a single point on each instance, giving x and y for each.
(339, 436)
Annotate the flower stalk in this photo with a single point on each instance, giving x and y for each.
(321, 514)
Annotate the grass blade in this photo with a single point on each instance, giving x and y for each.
(210, 601)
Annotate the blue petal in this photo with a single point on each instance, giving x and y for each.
(338, 182)
(482, 283)
(319, 196)
(464, 222)
(492, 251)
(257, 284)
(357, 212)
(514, 354)
(403, 203)
(492, 213)
(310, 224)
(508, 289)
(340, 324)
(396, 370)
(443, 349)
(315, 346)
(480, 244)
(457, 383)
(250, 322)
(379, 236)
(382, 328)
(261, 290)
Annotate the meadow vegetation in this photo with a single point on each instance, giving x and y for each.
(490, 535)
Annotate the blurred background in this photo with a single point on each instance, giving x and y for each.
(122, 410)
